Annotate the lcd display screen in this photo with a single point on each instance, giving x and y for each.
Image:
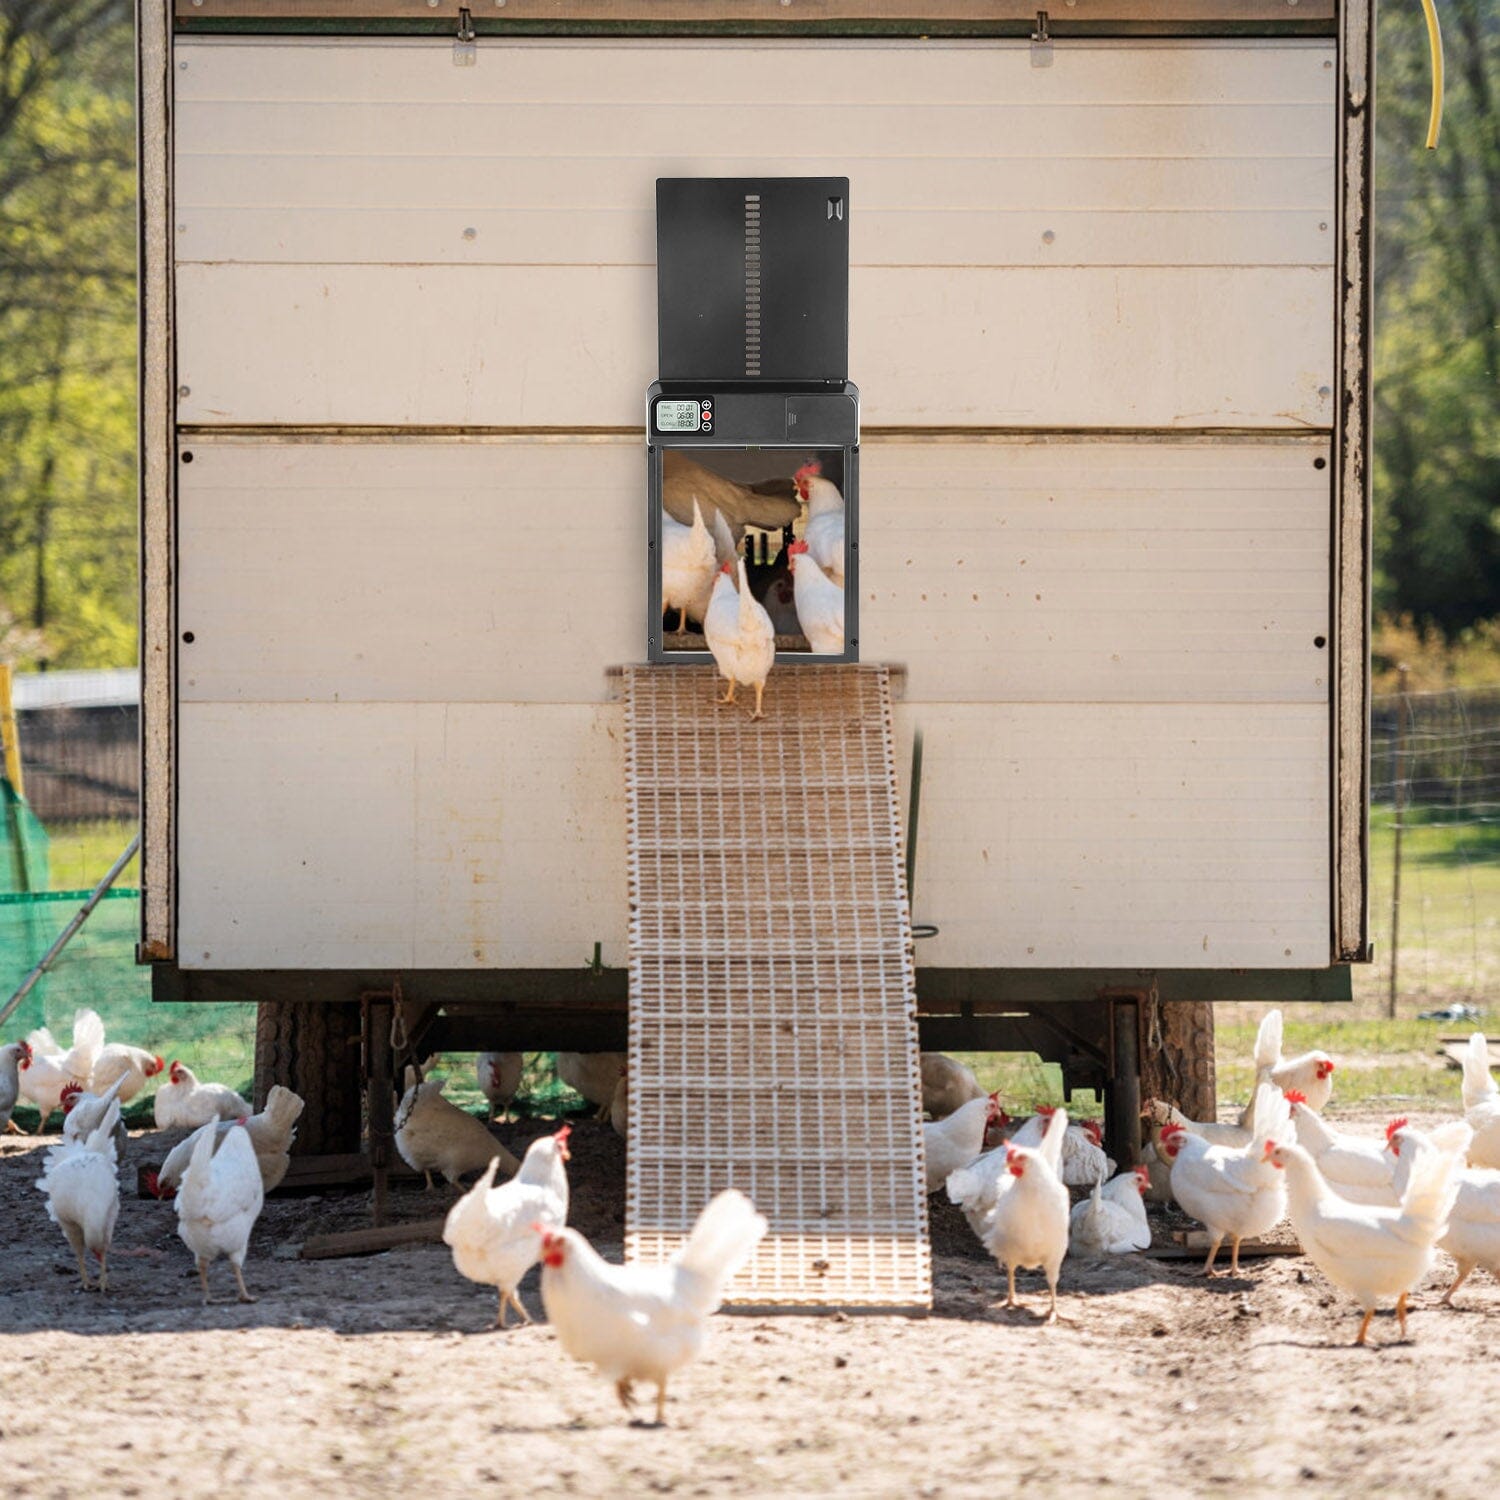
(678, 416)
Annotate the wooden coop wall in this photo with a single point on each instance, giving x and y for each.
(397, 741)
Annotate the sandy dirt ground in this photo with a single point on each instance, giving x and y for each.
(378, 1376)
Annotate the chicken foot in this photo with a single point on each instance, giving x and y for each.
(625, 1390)
(11, 1128)
(1010, 1287)
(75, 1239)
(729, 696)
(760, 688)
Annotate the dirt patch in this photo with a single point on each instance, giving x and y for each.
(377, 1376)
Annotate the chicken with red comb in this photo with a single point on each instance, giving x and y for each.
(1028, 1226)
(645, 1322)
(1310, 1073)
(1356, 1167)
(495, 1233)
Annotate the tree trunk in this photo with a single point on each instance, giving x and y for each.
(1177, 1057)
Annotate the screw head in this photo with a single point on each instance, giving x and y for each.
(184, 390)
(470, 234)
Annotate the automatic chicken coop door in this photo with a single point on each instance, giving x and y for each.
(753, 417)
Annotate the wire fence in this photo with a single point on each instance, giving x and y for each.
(1434, 850)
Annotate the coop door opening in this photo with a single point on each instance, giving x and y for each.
(780, 510)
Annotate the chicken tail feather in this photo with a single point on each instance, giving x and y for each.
(1477, 1080)
(723, 1239)
(1268, 1044)
(1430, 1191)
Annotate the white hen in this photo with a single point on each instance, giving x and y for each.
(740, 636)
(946, 1083)
(1028, 1226)
(956, 1140)
(1232, 1189)
(82, 1113)
(48, 1070)
(495, 1233)
(1373, 1253)
(820, 602)
(689, 561)
(83, 1193)
(1481, 1104)
(1354, 1166)
(219, 1202)
(824, 531)
(133, 1066)
(1112, 1219)
(1473, 1234)
(1309, 1073)
(184, 1101)
(499, 1077)
(646, 1322)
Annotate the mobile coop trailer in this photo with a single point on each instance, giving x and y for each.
(1108, 316)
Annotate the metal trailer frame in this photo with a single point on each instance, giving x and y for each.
(1104, 1026)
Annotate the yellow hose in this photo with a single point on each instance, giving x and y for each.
(1435, 51)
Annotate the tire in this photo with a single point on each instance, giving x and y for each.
(313, 1049)
(1177, 1058)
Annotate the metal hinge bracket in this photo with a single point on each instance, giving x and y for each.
(465, 50)
(1041, 43)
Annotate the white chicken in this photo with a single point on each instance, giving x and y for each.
(820, 602)
(82, 1113)
(740, 636)
(1355, 1167)
(271, 1133)
(1028, 1226)
(184, 1101)
(946, 1083)
(1372, 1252)
(1473, 1234)
(218, 1204)
(689, 561)
(1112, 1219)
(646, 1322)
(1310, 1073)
(824, 530)
(434, 1135)
(956, 1139)
(1232, 1190)
(133, 1066)
(495, 1233)
(619, 1108)
(1481, 1104)
(83, 1193)
(11, 1056)
(499, 1077)
(49, 1070)
(595, 1075)
(1083, 1159)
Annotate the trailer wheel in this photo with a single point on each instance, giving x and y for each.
(313, 1049)
(1177, 1057)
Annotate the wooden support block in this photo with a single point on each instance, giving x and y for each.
(1195, 1242)
(372, 1241)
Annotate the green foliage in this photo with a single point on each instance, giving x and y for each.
(1437, 323)
(67, 331)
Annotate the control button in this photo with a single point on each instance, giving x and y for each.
(706, 403)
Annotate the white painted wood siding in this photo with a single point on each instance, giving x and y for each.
(400, 835)
(1139, 236)
(396, 747)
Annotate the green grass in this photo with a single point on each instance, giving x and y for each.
(80, 854)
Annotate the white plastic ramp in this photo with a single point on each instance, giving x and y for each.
(773, 1038)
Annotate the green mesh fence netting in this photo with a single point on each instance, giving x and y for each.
(97, 970)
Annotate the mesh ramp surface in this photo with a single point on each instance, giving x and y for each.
(773, 1040)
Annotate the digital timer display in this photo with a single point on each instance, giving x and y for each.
(678, 416)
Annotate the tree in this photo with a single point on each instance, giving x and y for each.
(67, 326)
(1437, 347)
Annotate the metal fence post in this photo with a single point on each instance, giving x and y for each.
(1403, 717)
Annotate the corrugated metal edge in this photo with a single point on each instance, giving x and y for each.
(1352, 545)
(158, 493)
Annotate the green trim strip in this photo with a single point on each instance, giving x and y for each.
(37, 898)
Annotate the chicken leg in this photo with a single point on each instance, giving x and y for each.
(1052, 1308)
(1364, 1327)
(729, 696)
(760, 688)
(1463, 1276)
(1234, 1255)
(239, 1278)
(625, 1390)
(75, 1239)
(1213, 1252)
(1401, 1314)
(103, 1270)
(203, 1280)
(1010, 1286)
(661, 1404)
